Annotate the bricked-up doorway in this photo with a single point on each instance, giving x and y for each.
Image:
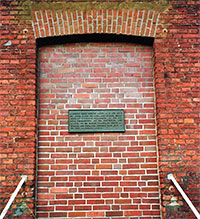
(97, 175)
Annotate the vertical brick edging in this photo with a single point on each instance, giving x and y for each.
(49, 23)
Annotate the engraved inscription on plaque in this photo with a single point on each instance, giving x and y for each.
(105, 120)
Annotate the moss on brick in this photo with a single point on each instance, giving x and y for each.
(159, 5)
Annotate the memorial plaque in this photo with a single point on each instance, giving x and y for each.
(100, 120)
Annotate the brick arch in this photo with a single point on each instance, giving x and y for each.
(137, 22)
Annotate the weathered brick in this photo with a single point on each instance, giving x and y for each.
(176, 89)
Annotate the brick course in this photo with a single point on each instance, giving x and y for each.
(176, 67)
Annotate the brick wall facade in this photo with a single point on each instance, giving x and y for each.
(97, 174)
(176, 67)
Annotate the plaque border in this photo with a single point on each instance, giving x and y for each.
(121, 130)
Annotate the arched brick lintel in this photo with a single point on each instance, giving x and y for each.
(49, 23)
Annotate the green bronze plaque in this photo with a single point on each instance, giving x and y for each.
(99, 120)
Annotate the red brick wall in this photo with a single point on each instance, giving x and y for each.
(176, 52)
(97, 174)
(176, 60)
(17, 107)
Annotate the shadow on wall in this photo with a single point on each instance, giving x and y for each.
(94, 38)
